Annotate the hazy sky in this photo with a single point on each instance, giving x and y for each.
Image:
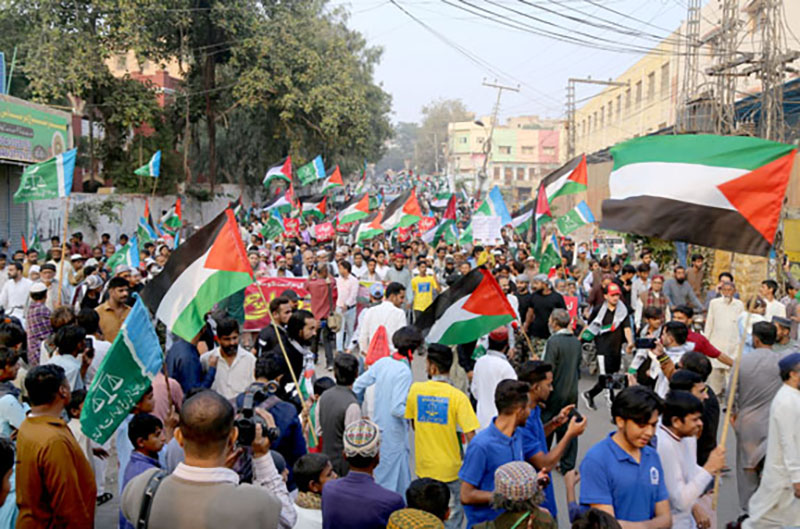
(418, 66)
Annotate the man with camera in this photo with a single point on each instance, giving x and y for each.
(265, 394)
(203, 492)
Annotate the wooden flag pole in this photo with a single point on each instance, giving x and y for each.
(155, 183)
(731, 393)
(64, 258)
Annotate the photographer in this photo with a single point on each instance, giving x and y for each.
(267, 395)
(208, 437)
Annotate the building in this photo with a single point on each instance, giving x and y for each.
(653, 86)
(29, 133)
(524, 150)
(165, 77)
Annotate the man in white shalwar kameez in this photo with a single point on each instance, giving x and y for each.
(776, 503)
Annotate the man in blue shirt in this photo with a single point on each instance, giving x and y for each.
(183, 364)
(498, 444)
(534, 434)
(621, 474)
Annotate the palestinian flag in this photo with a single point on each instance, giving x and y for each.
(440, 200)
(355, 209)
(315, 206)
(172, 218)
(280, 203)
(524, 220)
(282, 171)
(569, 179)
(362, 183)
(127, 255)
(474, 306)
(446, 230)
(722, 192)
(207, 268)
(578, 216)
(151, 168)
(333, 180)
(370, 227)
(402, 211)
(541, 215)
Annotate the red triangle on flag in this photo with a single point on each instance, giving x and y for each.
(336, 177)
(758, 195)
(287, 168)
(411, 207)
(363, 204)
(580, 174)
(323, 205)
(450, 212)
(542, 207)
(178, 208)
(146, 209)
(227, 251)
(488, 298)
(378, 346)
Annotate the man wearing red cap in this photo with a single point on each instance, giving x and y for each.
(609, 328)
(490, 369)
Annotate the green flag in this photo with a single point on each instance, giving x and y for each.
(273, 227)
(49, 179)
(550, 257)
(127, 255)
(151, 168)
(126, 372)
(311, 172)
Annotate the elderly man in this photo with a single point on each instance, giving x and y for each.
(783, 342)
(722, 331)
(759, 381)
(776, 503)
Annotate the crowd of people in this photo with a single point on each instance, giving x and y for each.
(234, 432)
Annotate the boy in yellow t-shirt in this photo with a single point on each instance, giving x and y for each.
(437, 409)
(423, 286)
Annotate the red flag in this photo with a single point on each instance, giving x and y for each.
(24, 244)
(450, 212)
(426, 223)
(323, 232)
(378, 346)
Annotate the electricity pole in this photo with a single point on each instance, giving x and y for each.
(571, 109)
(690, 71)
(487, 145)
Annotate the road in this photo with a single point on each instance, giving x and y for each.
(599, 426)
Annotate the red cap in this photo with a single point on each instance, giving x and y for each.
(500, 334)
(613, 288)
(399, 256)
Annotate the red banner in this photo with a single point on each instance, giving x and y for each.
(256, 313)
(572, 308)
(344, 228)
(291, 227)
(426, 223)
(404, 234)
(323, 232)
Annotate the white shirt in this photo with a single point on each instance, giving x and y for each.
(721, 328)
(101, 347)
(381, 270)
(775, 308)
(72, 369)
(308, 518)
(359, 271)
(234, 378)
(685, 479)
(385, 314)
(3, 276)
(489, 371)
(14, 297)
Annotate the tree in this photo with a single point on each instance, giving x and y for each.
(432, 135)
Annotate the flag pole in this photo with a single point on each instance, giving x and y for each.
(731, 393)
(285, 356)
(155, 183)
(63, 252)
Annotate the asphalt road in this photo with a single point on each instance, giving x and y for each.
(599, 426)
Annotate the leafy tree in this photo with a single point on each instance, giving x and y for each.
(432, 133)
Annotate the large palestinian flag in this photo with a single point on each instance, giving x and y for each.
(568, 179)
(723, 192)
(370, 227)
(315, 206)
(402, 211)
(207, 268)
(523, 221)
(473, 307)
(355, 209)
(333, 180)
(282, 171)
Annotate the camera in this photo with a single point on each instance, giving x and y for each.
(247, 419)
(575, 413)
(543, 482)
(645, 343)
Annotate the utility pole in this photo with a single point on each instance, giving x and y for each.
(571, 107)
(487, 146)
(725, 70)
(690, 71)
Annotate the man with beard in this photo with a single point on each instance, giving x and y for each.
(543, 301)
(114, 311)
(679, 291)
(47, 276)
(14, 295)
(400, 274)
(444, 273)
(235, 364)
(280, 310)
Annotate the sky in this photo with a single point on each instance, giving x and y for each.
(454, 45)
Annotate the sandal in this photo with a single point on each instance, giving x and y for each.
(104, 498)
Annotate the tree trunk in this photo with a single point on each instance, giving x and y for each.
(209, 75)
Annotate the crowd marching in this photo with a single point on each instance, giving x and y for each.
(310, 421)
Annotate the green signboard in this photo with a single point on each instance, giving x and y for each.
(29, 132)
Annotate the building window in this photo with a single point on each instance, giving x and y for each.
(596, 123)
(549, 151)
(602, 117)
(462, 139)
(532, 173)
(665, 80)
(527, 149)
(651, 86)
(504, 149)
(628, 100)
(589, 128)
(638, 92)
(508, 173)
(520, 173)
(619, 106)
(496, 172)
(583, 128)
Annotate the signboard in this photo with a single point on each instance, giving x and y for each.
(486, 229)
(256, 313)
(323, 232)
(291, 228)
(426, 223)
(572, 307)
(31, 133)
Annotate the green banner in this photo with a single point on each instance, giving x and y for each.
(29, 132)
